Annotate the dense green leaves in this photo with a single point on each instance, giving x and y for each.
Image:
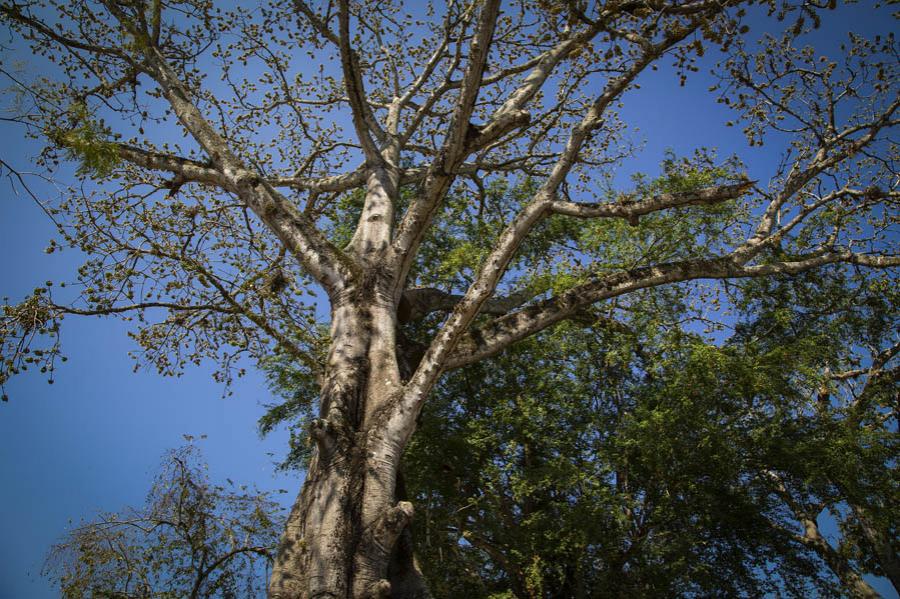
(601, 463)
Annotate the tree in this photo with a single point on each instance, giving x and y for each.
(191, 539)
(840, 436)
(430, 259)
(642, 459)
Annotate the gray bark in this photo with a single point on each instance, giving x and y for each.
(348, 534)
(343, 528)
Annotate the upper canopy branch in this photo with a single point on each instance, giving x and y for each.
(317, 22)
(631, 210)
(496, 263)
(364, 121)
(322, 260)
(494, 337)
(411, 229)
(15, 14)
(803, 173)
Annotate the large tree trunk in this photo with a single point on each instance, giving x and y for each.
(347, 534)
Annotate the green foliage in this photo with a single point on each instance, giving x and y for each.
(573, 473)
(694, 232)
(297, 384)
(632, 461)
(631, 457)
(665, 444)
(87, 142)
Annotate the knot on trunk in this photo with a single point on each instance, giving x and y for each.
(400, 515)
(323, 433)
(385, 530)
(373, 553)
(243, 179)
(380, 589)
(477, 137)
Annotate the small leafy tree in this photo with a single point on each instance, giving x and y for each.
(190, 539)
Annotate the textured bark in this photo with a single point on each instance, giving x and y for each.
(348, 533)
(346, 522)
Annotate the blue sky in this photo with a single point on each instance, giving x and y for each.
(92, 441)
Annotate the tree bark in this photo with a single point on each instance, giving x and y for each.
(348, 532)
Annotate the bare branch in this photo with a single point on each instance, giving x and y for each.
(631, 210)
(315, 253)
(500, 333)
(363, 120)
(513, 236)
(412, 228)
(185, 169)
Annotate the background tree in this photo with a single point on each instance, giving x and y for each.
(839, 426)
(208, 241)
(191, 539)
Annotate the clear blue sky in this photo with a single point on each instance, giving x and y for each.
(92, 441)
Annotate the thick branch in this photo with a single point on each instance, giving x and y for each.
(512, 237)
(322, 260)
(631, 210)
(343, 182)
(500, 333)
(363, 121)
(185, 169)
(416, 304)
(411, 230)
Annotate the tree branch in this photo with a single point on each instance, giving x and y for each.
(631, 210)
(502, 332)
(442, 170)
(185, 169)
(363, 120)
(322, 260)
(418, 303)
(512, 237)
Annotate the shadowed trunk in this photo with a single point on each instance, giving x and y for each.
(348, 534)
